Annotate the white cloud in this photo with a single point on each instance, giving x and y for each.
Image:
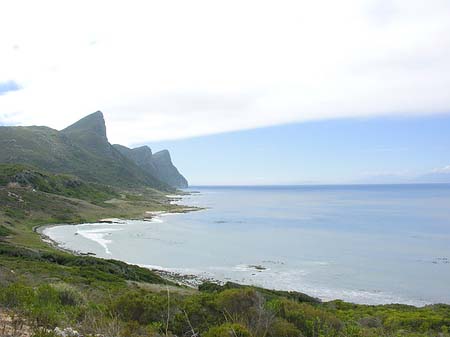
(173, 69)
(445, 169)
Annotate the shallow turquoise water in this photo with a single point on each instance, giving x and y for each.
(366, 244)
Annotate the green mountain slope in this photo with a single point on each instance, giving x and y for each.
(16, 175)
(158, 165)
(81, 149)
(167, 172)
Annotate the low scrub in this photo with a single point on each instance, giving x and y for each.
(245, 312)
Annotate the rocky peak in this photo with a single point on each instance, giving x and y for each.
(93, 123)
(143, 151)
(163, 155)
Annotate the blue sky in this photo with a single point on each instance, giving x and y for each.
(373, 150)
(330, 91)
(8, 86)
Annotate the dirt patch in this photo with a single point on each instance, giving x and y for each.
(13, 325)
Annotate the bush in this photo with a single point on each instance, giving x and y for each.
(370, 322)
(283, 328)
(47, 295)
(202, 312)
(309, 319)
(15, 213)
(141, 307)
(269, 294)
(47, 316)
(68, 295)
(238, 301)
(4, 231)
(228, 330)
(16, 296)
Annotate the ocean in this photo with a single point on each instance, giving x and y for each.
(370, 244)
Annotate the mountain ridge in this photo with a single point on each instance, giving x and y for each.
(81, 149)
(158, 164)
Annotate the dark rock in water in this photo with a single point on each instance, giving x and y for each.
(88, 254)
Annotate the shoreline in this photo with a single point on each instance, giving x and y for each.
(52, 243)
(183, 279)
(191, 281)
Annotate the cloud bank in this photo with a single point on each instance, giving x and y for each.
(174, 69)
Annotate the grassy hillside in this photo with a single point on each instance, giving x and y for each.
(60, 184)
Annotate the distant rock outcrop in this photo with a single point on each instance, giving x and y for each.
(82, 149)
(159, 164)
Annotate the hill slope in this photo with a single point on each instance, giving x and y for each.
(158, 165)
(81, 149)
(16, 175)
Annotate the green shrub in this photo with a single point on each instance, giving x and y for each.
(269, 294)
(68, 295)
(238, 301)
(46, 316)
(228, 330)
(310, 319)
(202, 312)
(15, 213)
(370, 322)
(4, 231)
(16, 295)
(141, 307)
(283, 328)
(47, 295)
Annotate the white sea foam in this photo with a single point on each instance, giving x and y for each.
(98, 224)
(99, 236)
(155, 213)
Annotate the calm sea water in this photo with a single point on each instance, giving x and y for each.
(365, 244)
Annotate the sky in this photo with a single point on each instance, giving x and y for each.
(344, 151)
(265, 80)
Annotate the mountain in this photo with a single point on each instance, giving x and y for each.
(90, 132)
(167, 172)
(158, 165)
(82, 149)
